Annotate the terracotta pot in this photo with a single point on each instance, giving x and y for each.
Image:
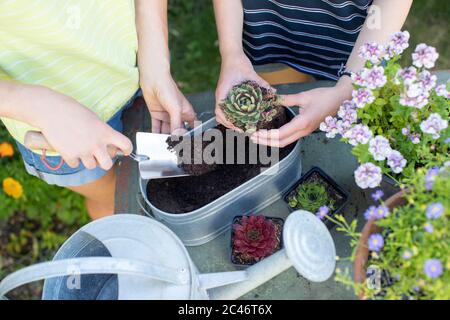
(362, 251)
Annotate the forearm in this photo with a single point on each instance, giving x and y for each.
(18, 101)
(152, 30)
(230, 20)
(392, 15)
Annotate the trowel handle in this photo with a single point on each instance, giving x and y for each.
(91, 265)
(35, 140)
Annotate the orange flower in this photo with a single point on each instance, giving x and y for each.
(12, 188)
(6, 150)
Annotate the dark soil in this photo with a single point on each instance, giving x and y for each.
(335, 195)
(239, 259)
(185, 194)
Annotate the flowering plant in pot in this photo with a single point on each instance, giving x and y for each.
(255, 237)
(397, 120)
(405, 243)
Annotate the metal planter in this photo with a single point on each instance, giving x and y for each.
(206, 223)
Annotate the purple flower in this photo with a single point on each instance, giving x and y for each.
(370, 213)
(407, 255)
(359, 134)
(428, 227)
(424, 56)
(433, 125)
(375, 242)
(374, 77)
(447, 141)
(434, 211)
(362, 96)
(430, 177)
(368, 175)
(427, 80)
(343, 127)
(406, 131)
(407, 75)
(433, 268)
(418, 102)
(329, 126)
(379, 147)
(347, 112)
(372, 52)
(322, 212)
(398, 42)
(415, 138)
(396, 161)
(442, 91)
(377, 195)
(376, 213)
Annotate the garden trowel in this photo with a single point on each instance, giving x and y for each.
(154, 159)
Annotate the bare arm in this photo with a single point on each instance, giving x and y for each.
(392, 15)
(167, 105)
(72, 130)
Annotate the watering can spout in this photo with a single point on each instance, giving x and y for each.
(219, 279)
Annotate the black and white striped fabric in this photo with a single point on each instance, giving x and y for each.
(312, 36)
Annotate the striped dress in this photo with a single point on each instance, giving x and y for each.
(312, 36)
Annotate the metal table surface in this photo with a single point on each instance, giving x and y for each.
(332, 156)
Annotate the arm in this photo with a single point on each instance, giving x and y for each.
(74, 131)
(319, 103)
(167, 105)
(236, 67)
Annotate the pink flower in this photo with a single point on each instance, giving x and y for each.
(425, 56)
(396, 161)
(372, 52)
(407, 75)
(359, 134)
(442, 91)
(362, 96)
(427, 80)
(330, 127)
(374, 78)
(398, 42)
(379, 147)
(347, 112)
(433, 125)
(368, 175)
(418, 102)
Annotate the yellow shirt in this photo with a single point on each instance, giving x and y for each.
(85, 49)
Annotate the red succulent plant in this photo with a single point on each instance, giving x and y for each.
(255, 237)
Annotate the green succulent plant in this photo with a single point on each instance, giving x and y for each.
(310, 196)
(248, 106)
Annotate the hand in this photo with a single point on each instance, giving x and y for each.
(168, 107)
(315, 105)
(76, 132)
(234, 70)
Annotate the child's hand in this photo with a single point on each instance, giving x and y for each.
(315, 105)
(74, 131)
(168, 107)
(234, 70)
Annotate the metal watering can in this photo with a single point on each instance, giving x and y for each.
(128, 256)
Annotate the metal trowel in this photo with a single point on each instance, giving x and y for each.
(154, 159)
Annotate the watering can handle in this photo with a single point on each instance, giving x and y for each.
(96, 265)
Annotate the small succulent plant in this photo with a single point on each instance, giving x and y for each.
(255, 237)
(310, 196)
(249, 106)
